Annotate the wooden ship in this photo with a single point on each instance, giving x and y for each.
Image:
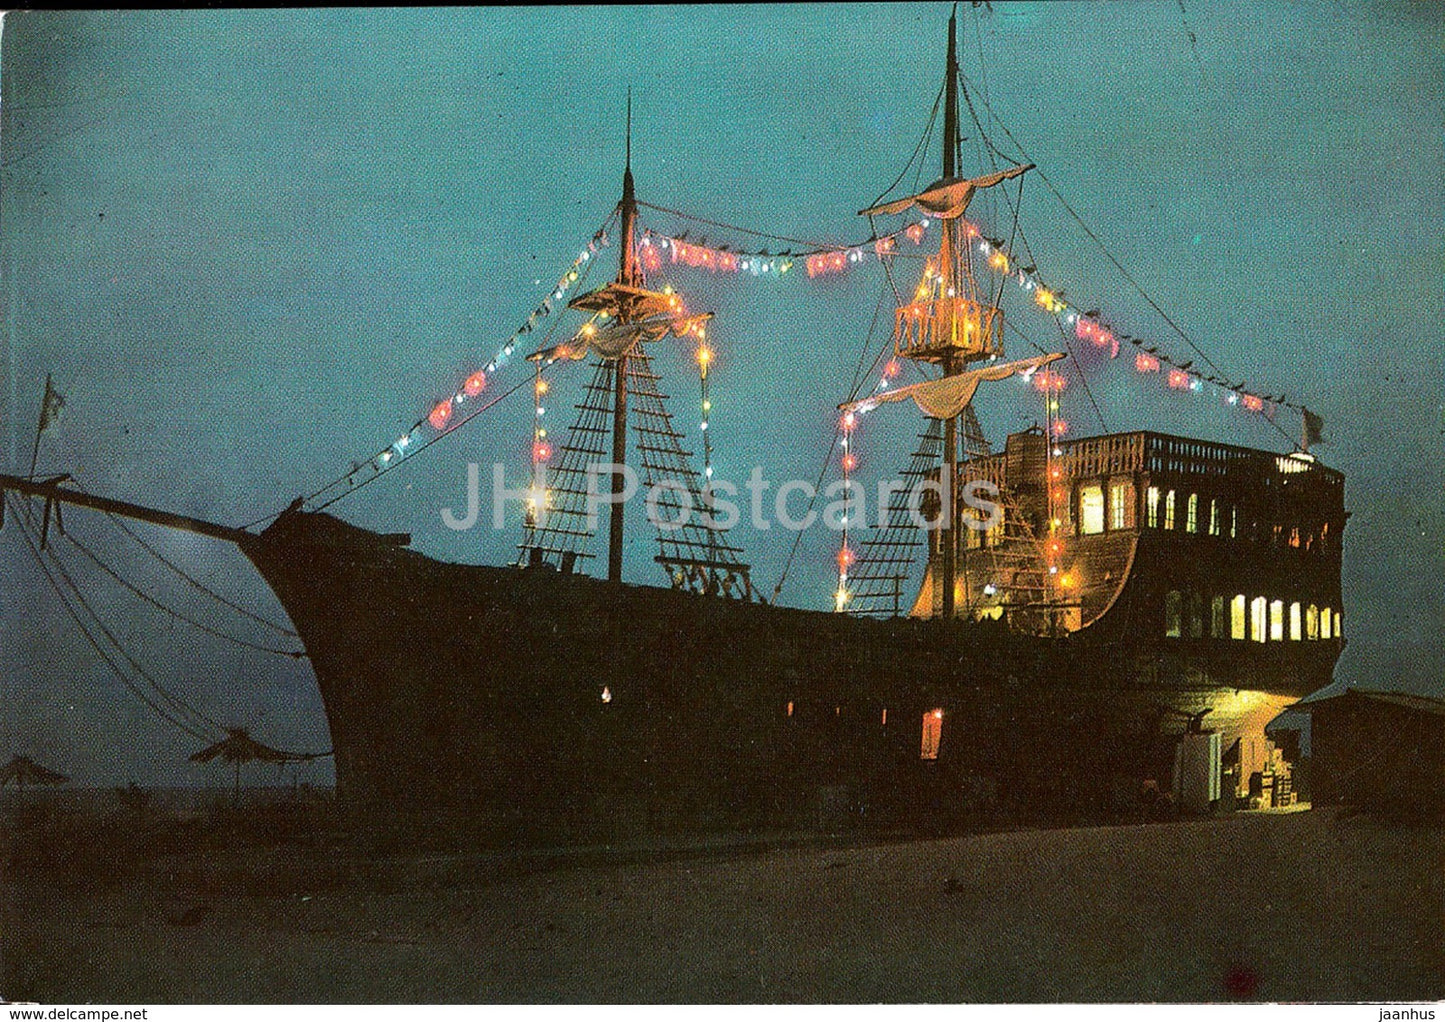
(1132, 583)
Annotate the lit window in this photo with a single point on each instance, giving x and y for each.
(1196, 616)
(1276, 621)
(1191, 514)
(1173, 608)
(1216, 618)
(1091, 509)
(885, 716)
(1325, 631)
(1296, 631)
(1121, 504)
(1152, 507)
(1258, 618)
(1233, 522)
(790, 709)
(1169, 510)
(1236, 617)
(1214, 517)
(932, 734)
(1312, 622)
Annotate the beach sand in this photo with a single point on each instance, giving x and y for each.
(1313, 906)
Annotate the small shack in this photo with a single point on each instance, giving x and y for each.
(1378, 750)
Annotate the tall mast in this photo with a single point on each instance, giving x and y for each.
(627, 274)
(948, 267)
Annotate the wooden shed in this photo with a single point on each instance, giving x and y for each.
(1383, 750)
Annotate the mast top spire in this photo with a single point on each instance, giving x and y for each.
(950, 101)
(627, 270)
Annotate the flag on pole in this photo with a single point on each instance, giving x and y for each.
(51, 406)
(1314, 428)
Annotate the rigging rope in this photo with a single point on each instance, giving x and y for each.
(572, 276)
(181, 707)
(527, 382)
(1048, 183)
(181, 714)
(450, 428)
(103, 566)
(922, 144)
(858, 376)
(196, 583)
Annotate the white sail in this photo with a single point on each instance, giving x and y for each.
(949, 197)
(612, 342)
(945, 398)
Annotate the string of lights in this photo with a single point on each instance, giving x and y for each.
(441, 416)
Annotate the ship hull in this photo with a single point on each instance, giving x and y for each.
(541, 705)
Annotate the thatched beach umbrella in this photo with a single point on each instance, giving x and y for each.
(23, 770)
(239, 747)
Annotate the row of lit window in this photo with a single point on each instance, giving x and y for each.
(1258, 620)
(1217, 514)
(1118, 512)
(1162, 510)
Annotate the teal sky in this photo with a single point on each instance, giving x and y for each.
(253, 246)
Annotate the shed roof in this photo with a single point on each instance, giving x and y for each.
(1407, 700)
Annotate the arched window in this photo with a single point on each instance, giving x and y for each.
(1151, 507)
(1295, 631)
(1214, 516)
(1173, 612)
(1276, 621)
(1169, 510)
(1326, 632)
(1191, 514)
(1259, 619)
(1312, 622)
(1236, 617)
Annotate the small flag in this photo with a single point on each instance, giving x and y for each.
(1314, 428)
(51, 406)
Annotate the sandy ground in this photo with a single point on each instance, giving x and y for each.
(1301, 906)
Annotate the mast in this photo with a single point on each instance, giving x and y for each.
(629, 275)
(948, 266)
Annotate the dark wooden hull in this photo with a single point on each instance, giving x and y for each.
(479, 691)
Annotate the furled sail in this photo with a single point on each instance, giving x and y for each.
(612, 342)
(948, 197)
(945, 398)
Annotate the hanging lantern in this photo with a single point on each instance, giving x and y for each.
(440, 415)
(476, 383)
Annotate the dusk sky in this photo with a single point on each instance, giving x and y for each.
(253, 246)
